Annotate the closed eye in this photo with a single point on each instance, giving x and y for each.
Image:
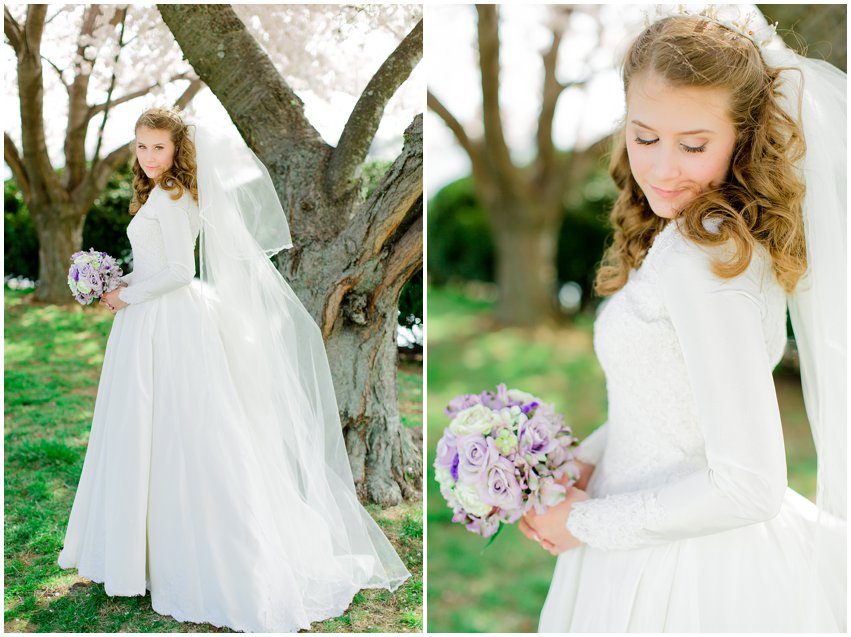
(645, 142)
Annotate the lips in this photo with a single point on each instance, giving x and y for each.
(668, 194)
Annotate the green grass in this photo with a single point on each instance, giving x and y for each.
(53, 357)
(502, 589)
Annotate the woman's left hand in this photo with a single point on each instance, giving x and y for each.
(112, 301)
(551, 526)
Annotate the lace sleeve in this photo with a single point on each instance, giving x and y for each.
(719, 325)
(178, 241)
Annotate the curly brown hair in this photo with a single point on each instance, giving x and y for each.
(760, 201)
(182, 175)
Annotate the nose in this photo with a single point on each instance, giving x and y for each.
(666, 165)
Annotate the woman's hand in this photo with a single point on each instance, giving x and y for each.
(550, 528)
(585, 471)
(112, 301)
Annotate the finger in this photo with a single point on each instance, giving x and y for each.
(528, 531)
(531, 514)
(547, 545)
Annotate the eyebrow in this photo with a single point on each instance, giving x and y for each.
(688, 132)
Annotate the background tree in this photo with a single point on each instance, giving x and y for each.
(524, 203)
(353, 254)
(96, 43)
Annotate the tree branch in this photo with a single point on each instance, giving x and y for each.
(13, 31)
(497, 155)
(41, 174)
(452, 124)
(191, 91)
(546, 161)
(385, 211)
(57, 69)
(266, 111)
(121, 14)
(78, 109)
(363, 122)
(13, 159)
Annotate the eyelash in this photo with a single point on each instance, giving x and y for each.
(688, 149)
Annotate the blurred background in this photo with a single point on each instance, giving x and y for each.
(522, 102)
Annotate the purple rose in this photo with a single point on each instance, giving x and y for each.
(500, 487)
(535, 436)
(475, 453)
(460, 403)
(447, 450)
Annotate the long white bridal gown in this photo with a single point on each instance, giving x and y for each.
(175, 496)
(691, 526)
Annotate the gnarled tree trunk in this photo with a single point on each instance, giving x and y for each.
(351, 257)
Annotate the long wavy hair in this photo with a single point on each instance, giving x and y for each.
(760, 201)
(183, 174)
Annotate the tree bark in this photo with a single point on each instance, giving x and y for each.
(351, 257)
(60, 234)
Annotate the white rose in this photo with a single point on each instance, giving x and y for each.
(521, 396)
(448, 494)
(443, 476)
(477, 419)
(469, 499)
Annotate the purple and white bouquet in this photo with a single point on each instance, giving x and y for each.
(501, 455)
(92, 274)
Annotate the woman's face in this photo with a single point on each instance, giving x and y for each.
(154, 150)
(679, 141)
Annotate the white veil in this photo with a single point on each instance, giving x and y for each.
(276, 356)
(814, 94)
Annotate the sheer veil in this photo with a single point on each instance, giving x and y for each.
(276, 356)
(815, 96)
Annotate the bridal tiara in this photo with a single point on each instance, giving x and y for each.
(747, 25)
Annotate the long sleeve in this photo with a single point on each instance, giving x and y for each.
(127, 277)
(718, 323)
(591, 449)
(178, 241)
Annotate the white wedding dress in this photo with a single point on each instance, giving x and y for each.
(176, 494)
(691, 526)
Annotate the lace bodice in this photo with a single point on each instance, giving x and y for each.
(162, 235)
(693, 441)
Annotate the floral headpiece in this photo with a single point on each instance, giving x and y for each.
(748, 26)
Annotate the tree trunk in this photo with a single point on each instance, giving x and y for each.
(351, 257)
(386, 464)
(526, 272)
(60, 234)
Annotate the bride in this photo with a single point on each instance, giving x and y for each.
(216, 475)
(682, 520)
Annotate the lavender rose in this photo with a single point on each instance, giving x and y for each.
(535, 437)
(474, 455)
(499, 486)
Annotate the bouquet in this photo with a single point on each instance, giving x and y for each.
(91, 275)
(501, 455)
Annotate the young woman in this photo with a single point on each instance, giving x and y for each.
(216, 475)
(683, 520)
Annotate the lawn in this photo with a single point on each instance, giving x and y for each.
(502, 588)
(53, 357)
